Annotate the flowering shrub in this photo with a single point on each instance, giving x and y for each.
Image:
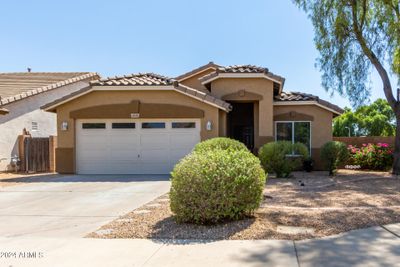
(372, 156)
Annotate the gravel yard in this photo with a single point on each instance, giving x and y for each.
(323, 206)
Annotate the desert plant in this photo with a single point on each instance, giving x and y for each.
(282, 157)
(223, 143)
(216, 185)
(333, 154)
(372, 156)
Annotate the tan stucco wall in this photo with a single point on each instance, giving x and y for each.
(262, 87)
(194, 80)
(66, 139)
(321, 127)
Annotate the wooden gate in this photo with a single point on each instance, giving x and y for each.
(36, 154)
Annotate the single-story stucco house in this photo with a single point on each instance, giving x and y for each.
(145, 123)
(21, 96)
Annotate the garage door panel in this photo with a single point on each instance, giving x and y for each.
(124, 146)
(177, 154)
(154, 140)
(92, 167)
(154, 155)
(124, 154)
(127, 138)
(183, 140)
(132, 151)
(94, 154)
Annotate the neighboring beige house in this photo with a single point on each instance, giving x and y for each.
(144, 123)
(21, 96)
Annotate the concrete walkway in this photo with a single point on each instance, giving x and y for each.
(377, 246)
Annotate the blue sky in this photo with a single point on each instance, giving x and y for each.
(166, 37)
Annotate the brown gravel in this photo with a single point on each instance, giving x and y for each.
(350, 201)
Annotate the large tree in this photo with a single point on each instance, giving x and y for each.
(352, 37)
(376, 119)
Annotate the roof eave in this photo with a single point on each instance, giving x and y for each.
(337, 111)
(52, 107)
(189, 74)
(217, 75)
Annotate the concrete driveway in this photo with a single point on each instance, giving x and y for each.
(73, 205)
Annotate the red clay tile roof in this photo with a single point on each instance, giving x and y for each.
(196, 70)
(239, 69)
(243, 69)
(200, 95)
(298, 97)
(148, 79)
(19, 85)
(141, 79)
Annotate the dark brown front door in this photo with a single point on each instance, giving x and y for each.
(241, 123)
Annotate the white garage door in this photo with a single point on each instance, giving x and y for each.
(133, 146)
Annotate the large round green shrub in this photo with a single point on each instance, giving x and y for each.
(216, 185)
(282, 157)
(223, 143)
(333, 154)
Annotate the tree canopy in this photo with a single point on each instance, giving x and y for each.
(351, 37)
(377, 119)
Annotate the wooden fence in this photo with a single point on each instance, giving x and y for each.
(360, 140)
(37, 153)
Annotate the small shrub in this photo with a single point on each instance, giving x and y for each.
(223, 143)
(333, 154)
(372, 156)
(216, 185)
(282, 157)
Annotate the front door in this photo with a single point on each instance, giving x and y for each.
(241, 123)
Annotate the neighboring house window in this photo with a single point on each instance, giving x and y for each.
(35, 126)
(295, 132)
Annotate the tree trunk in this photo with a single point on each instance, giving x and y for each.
(396, 154)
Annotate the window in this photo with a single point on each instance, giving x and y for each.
(295, 132)
(186, 125)
(123, 125)
(35, 126)
(93, 125)
(284, 131)
(153, 125)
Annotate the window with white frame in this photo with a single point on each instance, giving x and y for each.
(294, 131)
